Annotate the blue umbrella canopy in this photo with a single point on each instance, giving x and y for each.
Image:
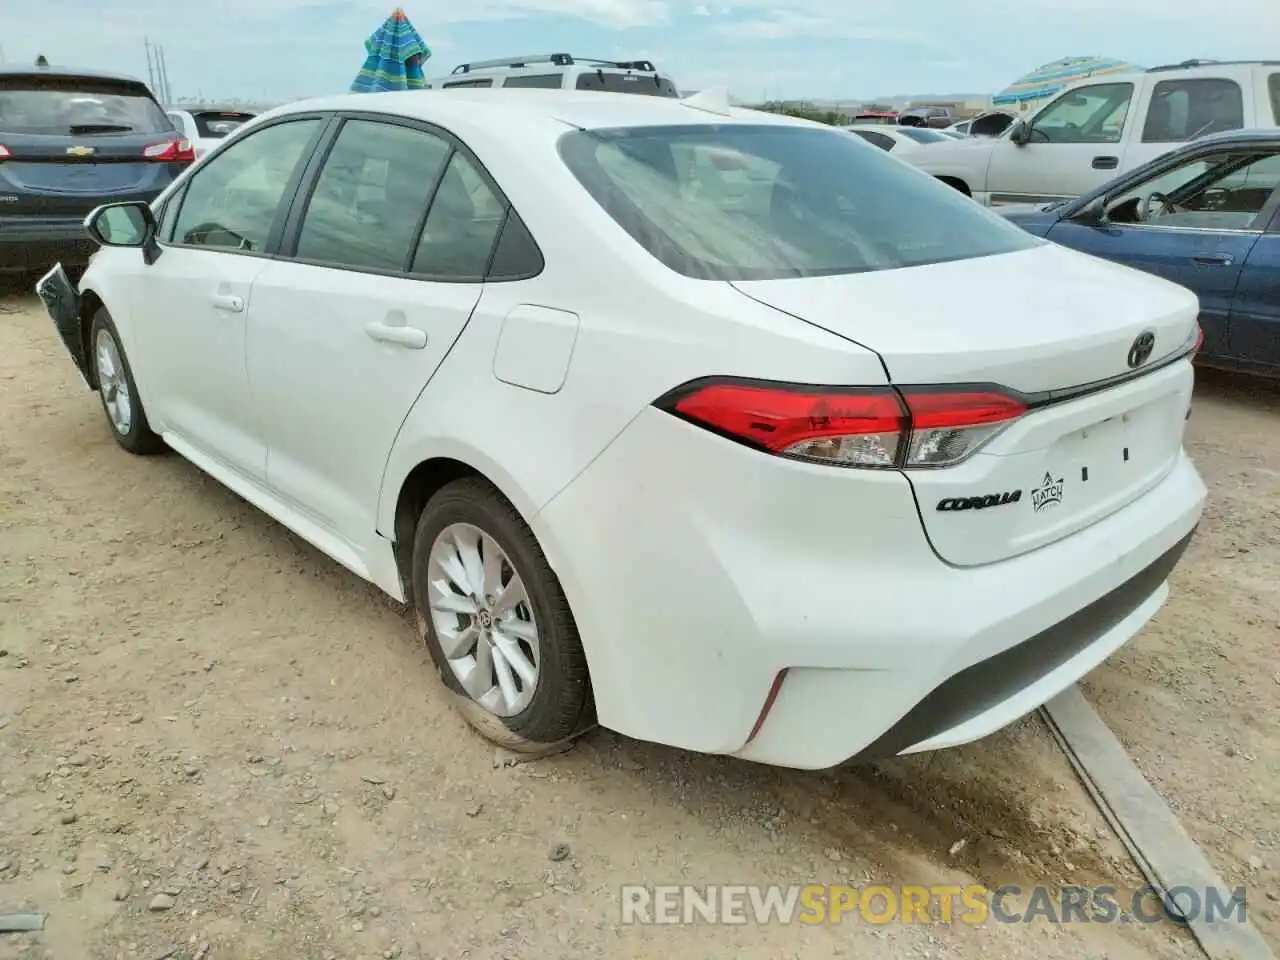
(395, 56)
(1054, 77)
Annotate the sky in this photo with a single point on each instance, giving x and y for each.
(275, 50)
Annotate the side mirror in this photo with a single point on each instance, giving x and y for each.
(1092, 213)
(124, 225)
(1020, 132)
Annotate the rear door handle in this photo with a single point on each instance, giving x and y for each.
(400, 335)
(228, 302)
(1106, 163)
(1214, 259)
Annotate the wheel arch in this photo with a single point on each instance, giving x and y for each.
(957, 183)
(398, 516)
(90, 304)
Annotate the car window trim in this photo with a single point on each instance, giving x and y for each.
(287, 198)
(292, 226)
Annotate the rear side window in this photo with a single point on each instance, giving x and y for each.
(794, 202)
(875, 139)
(462, 225)
(232, 201)
(77, 107)
(216, 125)
(371, 196)
(1185, 109)
(479, 82)
(644, 83)
(541, 81)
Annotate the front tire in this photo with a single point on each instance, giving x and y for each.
(496, 621)
(118, 390)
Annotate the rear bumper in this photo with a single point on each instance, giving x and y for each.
(698, 570)
(37, 243)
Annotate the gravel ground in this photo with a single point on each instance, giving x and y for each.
(216, 743)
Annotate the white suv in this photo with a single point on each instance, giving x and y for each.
(561, 71)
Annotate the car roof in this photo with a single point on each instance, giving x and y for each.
(587, 110)
(68, 73)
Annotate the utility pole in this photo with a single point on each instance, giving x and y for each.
(151, 72)
(164, 77)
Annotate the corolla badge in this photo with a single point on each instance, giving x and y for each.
(1142, 349)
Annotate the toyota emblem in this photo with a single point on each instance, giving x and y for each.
(1142, 348)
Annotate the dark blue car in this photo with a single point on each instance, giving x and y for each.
(69, 141)
(1206, 216)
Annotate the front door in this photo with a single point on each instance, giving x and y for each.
(1076, 146)
(345, 334)
(191, 325)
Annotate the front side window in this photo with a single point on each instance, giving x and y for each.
(794, 202)
(370, 196)
(542, 81)
(232, 202)
(1185, 109)
(461, 227)
(1091, 114)
(1226, 191)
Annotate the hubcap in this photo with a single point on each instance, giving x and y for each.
(112, 383)
(483, 619)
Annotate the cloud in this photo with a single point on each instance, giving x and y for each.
(802, 48)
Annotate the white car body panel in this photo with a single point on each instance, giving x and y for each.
(997, 170)
(697, 568)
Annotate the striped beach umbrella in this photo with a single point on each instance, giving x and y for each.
(1057, 76)
(395, 56)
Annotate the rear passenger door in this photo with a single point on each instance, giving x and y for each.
(383, 259)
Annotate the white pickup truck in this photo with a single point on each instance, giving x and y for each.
(1104, 126)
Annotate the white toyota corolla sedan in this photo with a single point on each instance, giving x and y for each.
(643, 407)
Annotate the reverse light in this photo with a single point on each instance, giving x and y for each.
(170, 151)
(869, 427)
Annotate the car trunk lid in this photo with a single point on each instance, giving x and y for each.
(1058, 330)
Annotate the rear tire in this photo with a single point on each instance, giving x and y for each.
(118, 390)
(496, 621)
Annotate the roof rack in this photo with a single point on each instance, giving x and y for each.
(1198, 62)
(555, 59)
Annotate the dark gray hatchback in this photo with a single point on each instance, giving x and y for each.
(71, 140)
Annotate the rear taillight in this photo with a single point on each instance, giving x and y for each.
(1194, 350)
(170, 151)
(4, 152)
(877, 427)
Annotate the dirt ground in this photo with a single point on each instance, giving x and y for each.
(216, 743)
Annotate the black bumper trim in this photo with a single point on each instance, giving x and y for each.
(990, 682)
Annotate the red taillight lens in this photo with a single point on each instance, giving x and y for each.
(170, 151)
(850, 426)
(4, 152)
(1194, 350)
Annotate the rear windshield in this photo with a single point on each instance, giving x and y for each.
(215, 125)
(77, 106)
(923, 134)
(649, 84)
(760, 202)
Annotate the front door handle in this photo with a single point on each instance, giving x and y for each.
(1106, 163)
(400, 335)
(1214, 259)
(228, 302)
